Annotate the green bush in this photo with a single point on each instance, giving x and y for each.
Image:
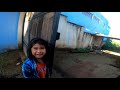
(111, 45)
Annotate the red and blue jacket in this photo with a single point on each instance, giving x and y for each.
(29, 69)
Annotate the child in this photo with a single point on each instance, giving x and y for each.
(35, 66)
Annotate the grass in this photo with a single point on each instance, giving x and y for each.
(112, 45)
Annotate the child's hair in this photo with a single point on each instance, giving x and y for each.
(37, 41)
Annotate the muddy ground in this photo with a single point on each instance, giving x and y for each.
(66, 65)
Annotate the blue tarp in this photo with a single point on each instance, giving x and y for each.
(90, 24)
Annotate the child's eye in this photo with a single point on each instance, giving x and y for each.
(42, 47)
(35, 48)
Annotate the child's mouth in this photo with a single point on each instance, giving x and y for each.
(39, 54)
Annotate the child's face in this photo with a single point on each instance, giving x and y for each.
(38, 51)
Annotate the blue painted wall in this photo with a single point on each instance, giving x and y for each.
(90, 24)
(8, 30)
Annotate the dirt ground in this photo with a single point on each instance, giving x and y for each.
(86, 65)
(66, 65)
(10, 64)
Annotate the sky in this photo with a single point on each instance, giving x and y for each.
(114, 23)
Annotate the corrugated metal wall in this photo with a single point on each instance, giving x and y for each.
(8, 30)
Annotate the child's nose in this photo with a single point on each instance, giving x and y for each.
(38, 50)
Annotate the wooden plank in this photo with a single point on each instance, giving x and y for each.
(47, 26)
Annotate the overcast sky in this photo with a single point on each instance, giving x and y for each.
(114, 22)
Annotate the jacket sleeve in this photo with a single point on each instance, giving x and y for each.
(27, 71)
